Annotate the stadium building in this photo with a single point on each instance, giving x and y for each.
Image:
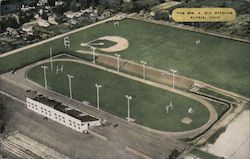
(62, 113)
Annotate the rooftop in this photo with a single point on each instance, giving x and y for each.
(83, 117)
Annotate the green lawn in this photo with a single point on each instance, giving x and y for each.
(217, 61)
(220, 108)
(30, 55)
(216, 94)
(148, 104)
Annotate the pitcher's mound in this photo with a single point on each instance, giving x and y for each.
(186, 120)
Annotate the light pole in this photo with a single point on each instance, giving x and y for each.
(144, 69)
(50, 53)
(173, 74)
(93, 53)
(44, 75)
(118, 62)
(98, 95)
(128, 98)
(70, 88)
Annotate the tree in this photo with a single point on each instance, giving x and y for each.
(161, 15)
(128, 7)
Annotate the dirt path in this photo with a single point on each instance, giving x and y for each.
(122, 43)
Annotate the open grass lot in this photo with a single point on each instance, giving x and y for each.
(217, 61)
(148, 104)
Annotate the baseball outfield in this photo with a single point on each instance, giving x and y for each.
(220, 62)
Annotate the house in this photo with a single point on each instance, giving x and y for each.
(51, 20)
(69, 14)
(43, 23)
(28, 29)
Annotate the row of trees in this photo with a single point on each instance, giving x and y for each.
(116, 5)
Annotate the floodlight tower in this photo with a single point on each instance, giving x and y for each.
(50, 53)
(93, 53)
(144, 69)
(173, 74)
(128, 98)
(45, 76)
(118, 62)
(70, 88)
(98, 95)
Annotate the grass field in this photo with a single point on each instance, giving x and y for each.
(148, 104)
(217, 61)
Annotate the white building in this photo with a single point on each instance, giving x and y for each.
(42, 23)
(62, 114)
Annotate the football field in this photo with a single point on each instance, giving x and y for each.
(148, 104)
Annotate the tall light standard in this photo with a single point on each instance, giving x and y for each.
(173, 74)
(144, 69)
(70, 88)
(44, 75)
(98, 95)
(50, 53)
(128, 98)
(118, 62)
(93, 53)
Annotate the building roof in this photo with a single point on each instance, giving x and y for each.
(83, 117)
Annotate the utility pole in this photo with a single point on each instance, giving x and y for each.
(70, 87)
(45, 76)
(93, 53)
(98, 95)
(118, 62)
(173, 75)
(51, 62)
(128, 98)
(144, 69)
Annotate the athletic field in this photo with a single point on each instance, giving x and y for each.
(221, 62)
(148, 106)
